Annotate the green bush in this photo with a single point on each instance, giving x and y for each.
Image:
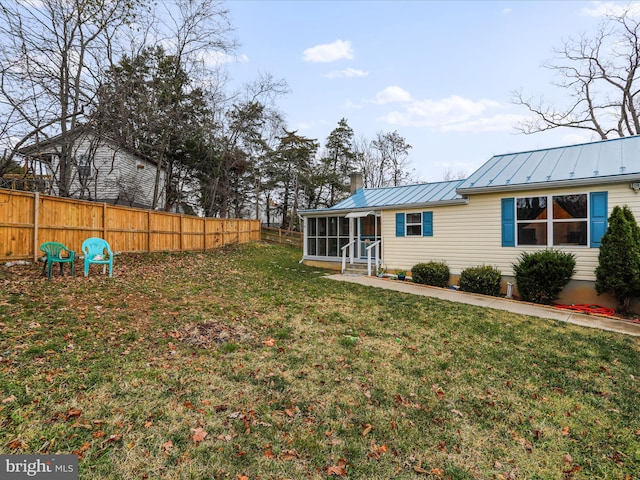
(618, 270)
(542, 275)
(431, 273)
(484, 280)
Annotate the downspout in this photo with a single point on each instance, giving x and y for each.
(304, 235)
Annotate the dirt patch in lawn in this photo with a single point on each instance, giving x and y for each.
(210, 334)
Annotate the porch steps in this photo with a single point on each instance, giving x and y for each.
(356, 269)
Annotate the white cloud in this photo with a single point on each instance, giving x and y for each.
(495, 123)
(506, 11)
(604, 9)
(453, 113)
(392, 94)
(346, 73)
(329, 52)
(456, 114)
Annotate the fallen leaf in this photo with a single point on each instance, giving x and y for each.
(565, 431)
(17, 444)
(419, 469)
(98, 434)
(377, 451)
(167, 447)
(9, 399)
(567, 459)
(269, 453)
(457, 412)
(339, 470)
(198, 434)
(114, 438)
(242, 477)
(437, 472)
(74, 412)
(269, 342)
(367, 430)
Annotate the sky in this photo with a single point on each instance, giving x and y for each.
(440, 73)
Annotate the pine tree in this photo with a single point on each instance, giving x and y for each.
(618, 271)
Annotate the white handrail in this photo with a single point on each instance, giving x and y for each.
(375, 244)
(344, 255)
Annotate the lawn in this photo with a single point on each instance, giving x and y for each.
(243, 363)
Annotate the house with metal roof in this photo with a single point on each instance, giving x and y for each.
(517, 202)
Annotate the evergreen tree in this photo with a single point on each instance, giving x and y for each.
(618, 271)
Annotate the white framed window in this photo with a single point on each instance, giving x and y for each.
(84, 166)
(553, 220)
(414, 224)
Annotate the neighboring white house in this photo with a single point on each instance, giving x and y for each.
(102, 171)
(519, 202)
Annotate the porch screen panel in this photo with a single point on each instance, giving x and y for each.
(326, 236)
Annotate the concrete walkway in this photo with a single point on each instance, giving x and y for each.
(515, 306)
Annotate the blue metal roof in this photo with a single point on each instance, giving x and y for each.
(618, 158)
(407, 195)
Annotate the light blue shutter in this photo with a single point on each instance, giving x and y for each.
(399, 224)
(427, 224)
(598, 217)
(508, 222)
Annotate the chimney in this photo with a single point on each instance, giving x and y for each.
(356, 182)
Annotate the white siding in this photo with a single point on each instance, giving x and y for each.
(470, 235)
(116, 175)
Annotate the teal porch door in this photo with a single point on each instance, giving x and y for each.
(368, 233)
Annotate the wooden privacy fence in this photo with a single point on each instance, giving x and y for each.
(27, 220)
(278, 235)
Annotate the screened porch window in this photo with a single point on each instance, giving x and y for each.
(326, 236)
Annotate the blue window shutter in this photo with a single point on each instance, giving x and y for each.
(599, 211)
(399, 224)
(427, 224)
(508, 222)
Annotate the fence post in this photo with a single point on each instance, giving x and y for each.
(148, 230)
(204, 234)
(104, 220)
(181, 233)
(36, 225)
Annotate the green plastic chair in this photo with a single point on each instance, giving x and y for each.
(97, 250)
(57, 253)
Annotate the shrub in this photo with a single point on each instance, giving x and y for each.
(618, 270)
(484, 280)
(542, 275)
(431, 273)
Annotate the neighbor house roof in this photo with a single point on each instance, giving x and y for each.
(613, 160)
(42, 147)
(411, 196)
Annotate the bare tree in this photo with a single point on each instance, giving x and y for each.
(51, 54)
(449, 174)
(600, 75)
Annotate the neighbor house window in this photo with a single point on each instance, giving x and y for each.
(555, 220)
(326, 236)
(84, 166)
